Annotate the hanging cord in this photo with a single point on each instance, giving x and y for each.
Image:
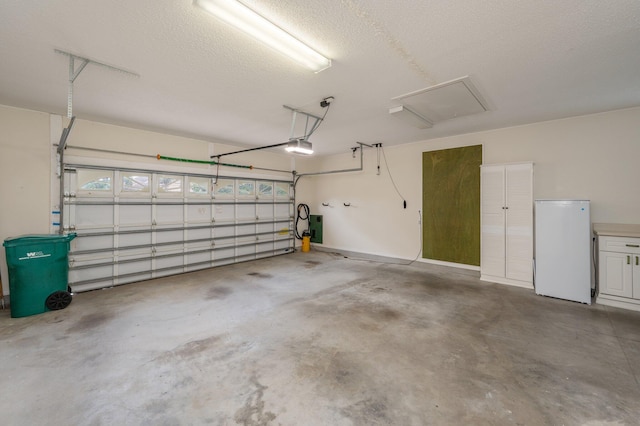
(379, 146)
(217, 172)
(303, 215)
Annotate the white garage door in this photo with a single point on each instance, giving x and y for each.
(134, 225)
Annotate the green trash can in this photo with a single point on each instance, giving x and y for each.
(38, 273)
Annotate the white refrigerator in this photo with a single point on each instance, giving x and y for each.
(563, 249)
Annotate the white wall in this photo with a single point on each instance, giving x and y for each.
(592, 157)
(28, 181)
(24, 176)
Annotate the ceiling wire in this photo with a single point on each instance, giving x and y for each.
(319, 122)
(380, 148)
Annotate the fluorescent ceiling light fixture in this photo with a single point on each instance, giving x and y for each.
(410, 117)
(299, 146)
(240, 16)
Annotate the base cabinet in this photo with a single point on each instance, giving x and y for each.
(619, 274)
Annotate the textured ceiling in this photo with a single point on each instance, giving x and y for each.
(531, 60)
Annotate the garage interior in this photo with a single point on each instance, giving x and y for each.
(267, 240)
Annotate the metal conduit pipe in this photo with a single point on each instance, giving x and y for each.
(358, 169)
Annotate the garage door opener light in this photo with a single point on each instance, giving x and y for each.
(299, 146)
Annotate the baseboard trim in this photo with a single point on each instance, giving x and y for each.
(450, 264)
(617, 302)
(507, 281)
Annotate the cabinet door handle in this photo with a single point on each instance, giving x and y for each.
(632, 245)
(636, 260)
(628, 260)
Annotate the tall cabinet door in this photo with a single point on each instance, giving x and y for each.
(519, 222)
(492, 255)
(507, 224)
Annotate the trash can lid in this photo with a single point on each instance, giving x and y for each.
(37, 238)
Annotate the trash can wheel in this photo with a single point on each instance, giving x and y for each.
(58, 300)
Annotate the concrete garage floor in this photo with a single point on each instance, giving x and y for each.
(318, 339)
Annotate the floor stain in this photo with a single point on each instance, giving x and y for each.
(388, 314)
(260, 275)
(252, 413)
(190, 349)
(90, 321)
(218, 292)
(368, 412)
(311, 264)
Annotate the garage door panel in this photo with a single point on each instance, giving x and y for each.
(244, 251)
(104, 273)
(199, 254)
(134, 214)
(154, 224)
(169, 236)
(245, 233)
(134, 265)
(128, 240)
(224, 212)
(264, 212)
(99, 242)
(282, 244)
(197, 234)
(226, 231)
(246, 212)
(93, 216)
(264, 227)
(175, 259)
(283, 211)
(169, 214)
(264, 248)
(199, 214)
(223, 256)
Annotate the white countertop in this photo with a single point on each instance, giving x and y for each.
(616, 229)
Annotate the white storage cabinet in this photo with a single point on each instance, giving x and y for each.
(619, 275)
(506, 253)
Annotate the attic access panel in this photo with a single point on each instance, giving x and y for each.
(444, 101)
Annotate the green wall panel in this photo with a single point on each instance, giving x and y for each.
(451, 205)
